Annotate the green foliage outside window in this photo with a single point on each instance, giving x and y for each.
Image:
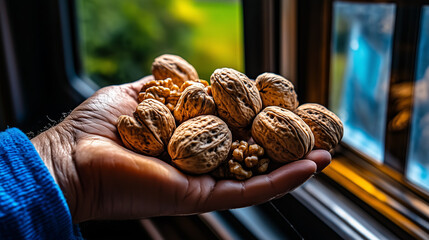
(120, 39)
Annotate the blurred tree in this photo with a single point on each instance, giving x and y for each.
(120, 39)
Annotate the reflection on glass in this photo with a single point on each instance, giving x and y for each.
(418, 154)
(120, 39)
(360, 67)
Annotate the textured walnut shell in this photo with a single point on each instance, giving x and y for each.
(236, 97)
(188, 83)
(284, 136)
(276, 90)
(200, 144)
(149, 131)
(174, 67)
(194, 102)
(327, 128)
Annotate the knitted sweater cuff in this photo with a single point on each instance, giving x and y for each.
(32, 205)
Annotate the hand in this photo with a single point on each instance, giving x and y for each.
(103, 180)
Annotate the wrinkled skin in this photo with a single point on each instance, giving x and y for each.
(101, 179)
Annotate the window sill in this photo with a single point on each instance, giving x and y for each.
(375, 194)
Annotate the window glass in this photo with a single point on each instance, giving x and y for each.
(120, 39)
(417, 169)
(360, 70)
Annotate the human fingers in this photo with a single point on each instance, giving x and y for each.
(121, 184)
(227, 194)
(322, 158)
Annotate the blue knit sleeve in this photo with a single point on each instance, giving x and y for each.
(32, 205)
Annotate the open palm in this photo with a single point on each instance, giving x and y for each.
(103, 180)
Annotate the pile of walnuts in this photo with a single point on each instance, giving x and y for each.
(197, 122)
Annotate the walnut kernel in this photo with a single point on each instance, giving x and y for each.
(164, 91)
(167, 83)
(238, 171)
(192, 82)
(159, 93)
(246, 162)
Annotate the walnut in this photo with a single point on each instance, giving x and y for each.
(200, 144)
(249, 155)
(251, 161)
(327, 128)
(256, 150)
(149, 131)
(194, 102)
(238, 171)
(239, 152)
(164, 91)
(209, 90)
(156, 92)
(284, 136)
(174, 67)
(192, 82)
(231, 169)
(167, 83)
(238, 155)
(236, 97)
(276, 90)
(167, 92)
(172, 100)
(247, 161)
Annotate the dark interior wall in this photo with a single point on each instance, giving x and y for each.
(35, 78)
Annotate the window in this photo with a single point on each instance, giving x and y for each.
(360, 61)
(314, 43)
(373, 83)
(418, 155)
(365, 60)
(120, 39)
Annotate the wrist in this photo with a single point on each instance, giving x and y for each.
(55, 147)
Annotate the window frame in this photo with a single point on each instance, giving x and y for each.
(59, 75)
(74, 65)
(269, 49)
(312, 84)
(39, 52)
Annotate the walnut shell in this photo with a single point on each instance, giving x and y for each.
(276, 90)
(327, 127)
(284, 136)
(236, 97)
(188, 83)
(200, 144)
(174, 67)
(149, 131)
(194, 102)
